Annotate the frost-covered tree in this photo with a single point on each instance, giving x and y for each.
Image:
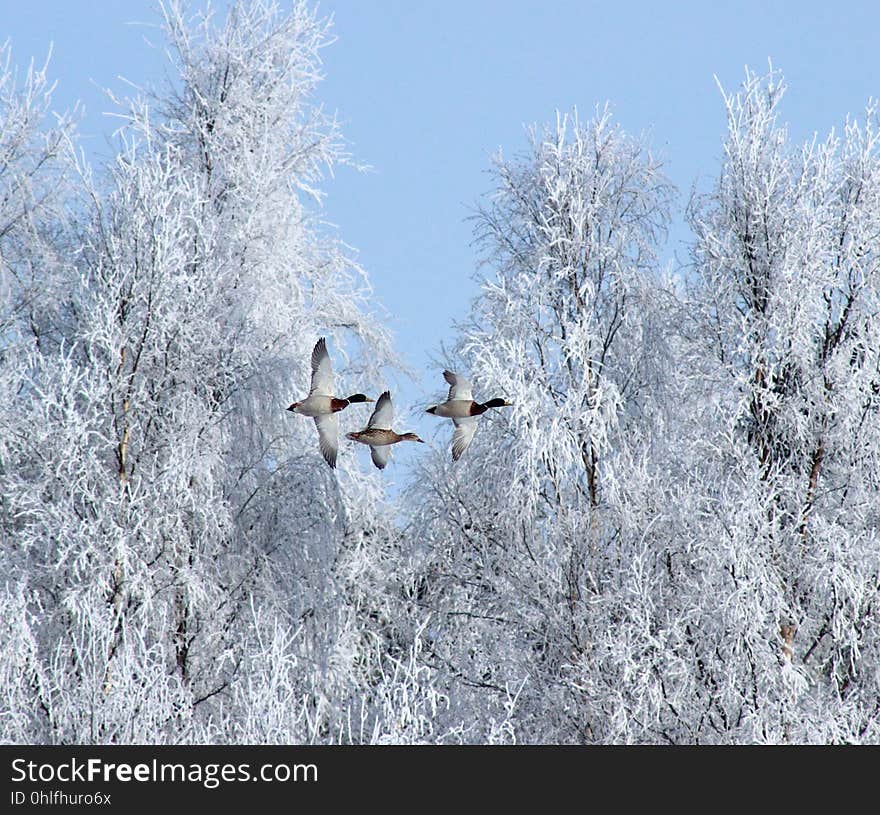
(519, 542)
(32, 187)
(32, 199)
(673, 538)
(178, 558)
(787, 353)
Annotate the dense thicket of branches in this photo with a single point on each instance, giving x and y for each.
(177, 564)
(672, 535)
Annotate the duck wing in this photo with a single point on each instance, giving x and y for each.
(328, 437)
(463, 435)
(322, 370)
(459, 387)
(380, 455)
(383, 415)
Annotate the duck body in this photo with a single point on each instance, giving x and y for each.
(319, 404)
(462, 408)
(322, 405)
(378, 437)
(378, 433)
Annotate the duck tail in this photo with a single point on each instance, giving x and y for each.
(432, 409)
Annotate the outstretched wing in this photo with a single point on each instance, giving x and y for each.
(328, 437)
(380, 455)
(322, 370)
(463, 436)
(383, 415)
(459, 387)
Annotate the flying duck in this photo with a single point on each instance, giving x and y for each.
(378, 433)
(463, 410)
(322, 405)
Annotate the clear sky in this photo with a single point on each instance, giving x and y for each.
(427, 90)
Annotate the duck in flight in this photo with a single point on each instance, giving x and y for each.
(322, 405)
(463, 410)
(378, 433)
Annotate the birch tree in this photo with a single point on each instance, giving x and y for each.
(172, 529)
(674, 537)
(786, 301)
(32, 196)
(523, 534)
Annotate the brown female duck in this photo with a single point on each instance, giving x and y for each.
(378, 433)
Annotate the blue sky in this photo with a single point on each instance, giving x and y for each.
(427, 91)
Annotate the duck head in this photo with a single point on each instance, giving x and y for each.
(497, 403)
